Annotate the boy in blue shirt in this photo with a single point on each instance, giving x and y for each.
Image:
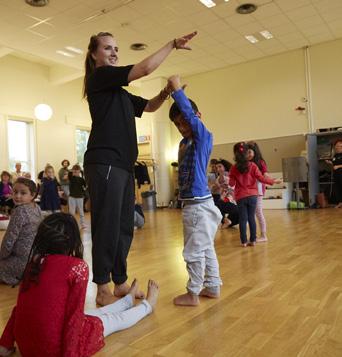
(200, 215)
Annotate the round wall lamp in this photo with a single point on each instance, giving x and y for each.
(43, 112)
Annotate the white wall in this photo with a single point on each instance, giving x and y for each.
(25, 84)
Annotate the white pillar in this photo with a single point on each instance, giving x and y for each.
(161, 141)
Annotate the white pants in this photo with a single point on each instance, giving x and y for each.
(200, 222)
(121, 314)
(76, 203)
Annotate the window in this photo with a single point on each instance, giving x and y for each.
(82, 137)
(21, 145)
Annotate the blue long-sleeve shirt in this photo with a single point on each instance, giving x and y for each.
(194, 153)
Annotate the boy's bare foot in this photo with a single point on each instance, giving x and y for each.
(104, 296)
(4, 352)
(186, 300)
(339, 205)
(121, 290)
(152, 293)
(207, 293)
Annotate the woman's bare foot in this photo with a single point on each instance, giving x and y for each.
(152, 293)
(207, 293)
(104, 296)
(121, 290)
(186, 300)
(133, 289)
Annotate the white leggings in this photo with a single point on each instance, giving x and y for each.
(121, 314)
(260, 216)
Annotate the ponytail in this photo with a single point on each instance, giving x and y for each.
(89, 63)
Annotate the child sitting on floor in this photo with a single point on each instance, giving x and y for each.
(49, 318)
(20, 233)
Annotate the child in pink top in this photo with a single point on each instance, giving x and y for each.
(254, 155)
(244, 176)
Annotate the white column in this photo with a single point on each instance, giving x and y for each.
(161, 141)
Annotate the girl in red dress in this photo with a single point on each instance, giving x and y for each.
(49, 318)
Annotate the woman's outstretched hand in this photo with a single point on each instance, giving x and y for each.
(181, 43)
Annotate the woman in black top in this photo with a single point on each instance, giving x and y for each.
(111, 153)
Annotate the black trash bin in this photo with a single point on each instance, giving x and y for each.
(149, 200)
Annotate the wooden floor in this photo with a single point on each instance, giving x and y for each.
(283, 298)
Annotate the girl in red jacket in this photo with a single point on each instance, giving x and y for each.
(244, 176)
(49, 318)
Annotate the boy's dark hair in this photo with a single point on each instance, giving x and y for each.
(28, 183)
(339, 140)
(252, 145)
(175, 111)
(226, 164)
(240, 155)
(213, 161)
(58, 233)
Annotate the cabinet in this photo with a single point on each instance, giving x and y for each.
(319, 149)
(277, 196)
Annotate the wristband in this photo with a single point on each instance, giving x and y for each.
(175, 44)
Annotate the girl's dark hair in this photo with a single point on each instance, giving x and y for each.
(240, 156)
(252, 145)
(226, 164)
(175, 111)
(6, 173)
(65, 160)
(58, 233)
(89, 63)
(28, 183)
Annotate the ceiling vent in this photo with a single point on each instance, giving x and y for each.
(138, 46)
(246, 9)
(37, 3)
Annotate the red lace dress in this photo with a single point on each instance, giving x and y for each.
(49, 318)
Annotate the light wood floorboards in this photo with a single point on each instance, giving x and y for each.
(281, 298)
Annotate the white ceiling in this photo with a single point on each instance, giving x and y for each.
(36, 33)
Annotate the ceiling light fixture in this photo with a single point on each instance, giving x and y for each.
(251, 38)
(37, 3)
(43, 112)
(64, 53)
(138, 46)
(74, 49)
(245, 9)
(208, 3)
(266, 34)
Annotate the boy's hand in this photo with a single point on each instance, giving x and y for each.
(181, 43)
(278, 181)
(174, 83)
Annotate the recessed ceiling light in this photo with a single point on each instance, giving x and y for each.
(266, 34)
(246, 9)
(37, 3)
(138, 46)
(74, 49)
(251, 38)
(63, 53)
(208, 3)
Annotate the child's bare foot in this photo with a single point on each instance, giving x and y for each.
(152, 293)
(121, 290)
(207, 293)
(104, 296)
(4, 352)
(186, 300)
(226, 223)
(339, 205)
(243, 245)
